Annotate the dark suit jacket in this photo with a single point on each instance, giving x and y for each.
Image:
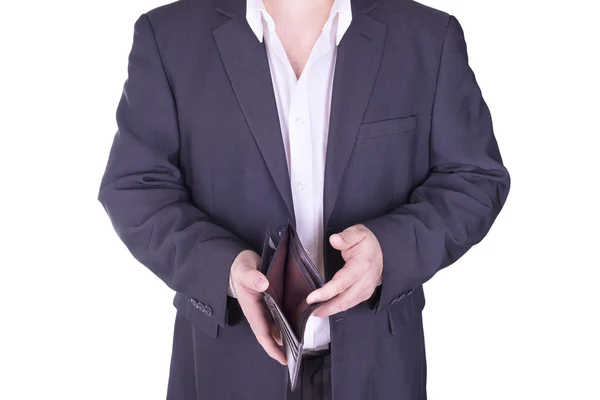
(197, 171)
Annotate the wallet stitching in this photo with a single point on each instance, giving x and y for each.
(287, 333)
(303, 273)
(311, 266)
(305, 319)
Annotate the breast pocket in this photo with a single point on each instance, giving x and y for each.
(387, 127)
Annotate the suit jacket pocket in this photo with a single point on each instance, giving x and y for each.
(405, 309)
(387, 127)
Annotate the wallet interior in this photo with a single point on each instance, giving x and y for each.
(292, 277)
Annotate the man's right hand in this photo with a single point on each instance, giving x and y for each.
(248, 282)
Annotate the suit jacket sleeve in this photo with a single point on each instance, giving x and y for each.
(466, 187)
(142, 189)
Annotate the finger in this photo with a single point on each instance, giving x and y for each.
(276, 334)
(253, 280)
(272, 349)
(348, 299)
(259, 321)
(349, 237)
(340, 282)
(262, 331)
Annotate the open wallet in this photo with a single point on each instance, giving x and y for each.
(292, 277)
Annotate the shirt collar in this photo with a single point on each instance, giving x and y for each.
(256, 11)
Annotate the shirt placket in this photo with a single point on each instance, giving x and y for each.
(301, 174)
(302, 153)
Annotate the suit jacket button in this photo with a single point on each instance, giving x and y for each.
(208, 310)
(194, 302)
(281, 230)
(201, 306)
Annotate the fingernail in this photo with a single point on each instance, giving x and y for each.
(262, 284)
(340, 237)
(311, 299)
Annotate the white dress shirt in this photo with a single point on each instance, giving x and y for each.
(303, 106)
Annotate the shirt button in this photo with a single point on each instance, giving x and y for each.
(300, 185)
(299, 121)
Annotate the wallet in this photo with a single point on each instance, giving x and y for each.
(292, 277)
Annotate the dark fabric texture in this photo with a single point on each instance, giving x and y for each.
(197, 172)
(315, 378)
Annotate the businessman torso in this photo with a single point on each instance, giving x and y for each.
(231, 161)
(234, 162)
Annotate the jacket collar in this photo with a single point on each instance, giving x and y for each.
(232, 8)
(256, 12)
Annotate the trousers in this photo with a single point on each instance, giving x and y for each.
(315, 377)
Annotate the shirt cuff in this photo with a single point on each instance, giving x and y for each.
(230, 289)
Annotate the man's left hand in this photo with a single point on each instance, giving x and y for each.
(356, 281)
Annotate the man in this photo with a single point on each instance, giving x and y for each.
(361, 122)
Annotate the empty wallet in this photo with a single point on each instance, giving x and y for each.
(292, 277)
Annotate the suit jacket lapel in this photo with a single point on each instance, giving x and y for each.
(358, 58)
(246, 62)
(357, 63)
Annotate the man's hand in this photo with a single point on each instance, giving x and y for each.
(359, 277)
(248, 282)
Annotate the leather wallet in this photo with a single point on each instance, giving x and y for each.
(292, 277)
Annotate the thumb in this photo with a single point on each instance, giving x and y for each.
(345, 239)
(254, 280)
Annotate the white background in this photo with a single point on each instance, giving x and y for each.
(515, 318)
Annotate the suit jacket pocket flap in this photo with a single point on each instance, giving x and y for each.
(405, 309)
(387, 127)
